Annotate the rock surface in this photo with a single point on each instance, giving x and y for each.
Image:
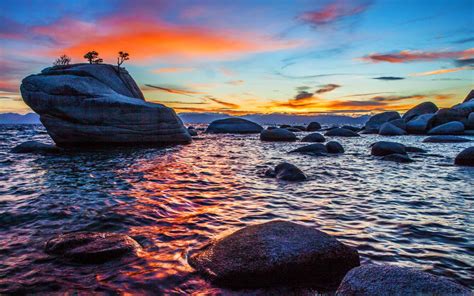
(400, 123)
(288, 172)
(35, 147)
(420, 109)
(450, 128)
(445, 139)
(383, 148)
(376, 280)
(375, 122)
(233, 126)
(470, 121)
(465, 158)
(412, 149)
(469, 97)
(334, 147)
(277, 135)
(95, 104)
(313, 126)
(401, 158)
(312, 149)
(457, 113)
(314, 137)
(341, 132)
(275, 253)
(92, 247)
(421, 124)
(388, 129)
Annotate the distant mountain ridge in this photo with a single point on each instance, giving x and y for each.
(195, 118)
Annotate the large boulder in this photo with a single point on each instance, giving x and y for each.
(457, 113)
(375, 122)
(311, 149)
(465, 158)
(92, 247)
(450, 128)
(275, 253)
(277, 135)
(400, 123)
(233, 125)
(420, 109)
(470, 121)
(341, 132)
(388, 129)
(375, 280)
(287, 172)
(314, 137)
(421, 124)
(97, 104)
(334, 147)
(469, 97)
(35, 147)
(383, 148)
(445, 139)
(313, 126)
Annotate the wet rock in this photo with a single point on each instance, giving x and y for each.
(470, 121)
(92, 247)
(351, 128)
(421, 124)
(35, 147)
(465, 158)
(412, 149)
(273, 254)
(375, 122)
(192, 131)
(278, 134)
(445, 139)
(457, 113)
(341, 132)
(285, 126)
(312, 149)
(293, 129)
(375, 280)
(400, 123)
(334, 147)
(420, 109)
(388, 129)
(313, 126)
(99, 104)
(233, 125)
(401, 158)
(299, 127)
(383, 148)
(287, 172)
(450, 128)
(314, 137)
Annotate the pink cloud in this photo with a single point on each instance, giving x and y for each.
(405, 56)
(333, 11)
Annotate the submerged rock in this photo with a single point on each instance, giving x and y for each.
(420, 109)
(450, 128)
(35, 147)
(388, 129)
(351, 128)
(277, 135)
(312, 149)
(375, 122)
(192, 131)
(334, 147)
(273, 254)
(97, 104)
(287, 172)
(92, 247)
(383, 148)
(412, 149)
(314, 137)
(465, 158)
(401, 158)
(445, 139)
(313, 126)
(375, 280)
(420, 124)
(341, 132)
(233, 126)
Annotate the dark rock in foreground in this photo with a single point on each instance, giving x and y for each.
(233, 126)
(313, 126)
(314, 137)
(311, 149)
(383, 148)
(445, 139)
(450, 128)
(334, 147)
(287, 172)
(97, 104)
(420, 109)
(273, 254)
(35, 147)
(465, 158)
(277, 135)
(400, 158)
(412, 149)
(376, 280)
(341, 132)
(92, 247)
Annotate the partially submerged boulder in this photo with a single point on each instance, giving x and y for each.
(314, 137)
(92, 247)
(277, 135)
(450, 128)
(375, 122)
(273, 254)
(311, 149)
(400, 158)
(35, 147)
(445, 139)
(383, 148)
(313, 126)
(388, 129)
(420, 124)
(375, 280)
(465, 158)
(334, 147)
(98, 104)
(420, 109)
(233, 125)
(287, 172)
(341, 132)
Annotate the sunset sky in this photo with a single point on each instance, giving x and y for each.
(242, 57)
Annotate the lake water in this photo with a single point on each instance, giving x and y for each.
(174, 199)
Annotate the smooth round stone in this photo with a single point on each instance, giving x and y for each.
(412, 149)
(92, 247)
(334, 147)
(289, 172)
(313, 126)
(445, 139)
(388, 129)
(35, 147)
(465, 158)
(420, 109)
(375, 122)
(383, 148)
(420, 124)
(450, 128)
(341, 132)
(233, 126)
(278, 134)
(273, 254)
(400, 158)
(376, 280)
(312, 148)
(314, 137)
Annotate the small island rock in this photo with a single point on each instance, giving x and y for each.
(233, 125)
(313, 126)
(341, 132)
(383, 148)
(314, 137)
(334, 147)
(445, 139)
(278, 134)
(35, 147)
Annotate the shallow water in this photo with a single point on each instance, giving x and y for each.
(174, 199)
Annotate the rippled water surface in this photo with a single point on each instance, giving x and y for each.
(174, 199)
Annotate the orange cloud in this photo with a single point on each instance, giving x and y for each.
(172, 70)
(443, 71)
(226, 104)
(405, 56)
(170, 90)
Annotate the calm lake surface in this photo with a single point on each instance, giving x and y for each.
(174, 199)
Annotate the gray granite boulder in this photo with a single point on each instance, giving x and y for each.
(277, 135)
(457, 113)
(233, 125)
(388, 129)
(275, 253)
(450, 128)
(311, 149)
(375, 122)
(400, 123)
(341, 132)
(376, 280)
(383, 148)
(314, 137)
(35, 147)
(465, 158)
(421, 124)
(445, 139)
(334, 147)
(97, 104)
(313, 126)
(400, 158)
(470, 121)
(420, 109)
(92, 247)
